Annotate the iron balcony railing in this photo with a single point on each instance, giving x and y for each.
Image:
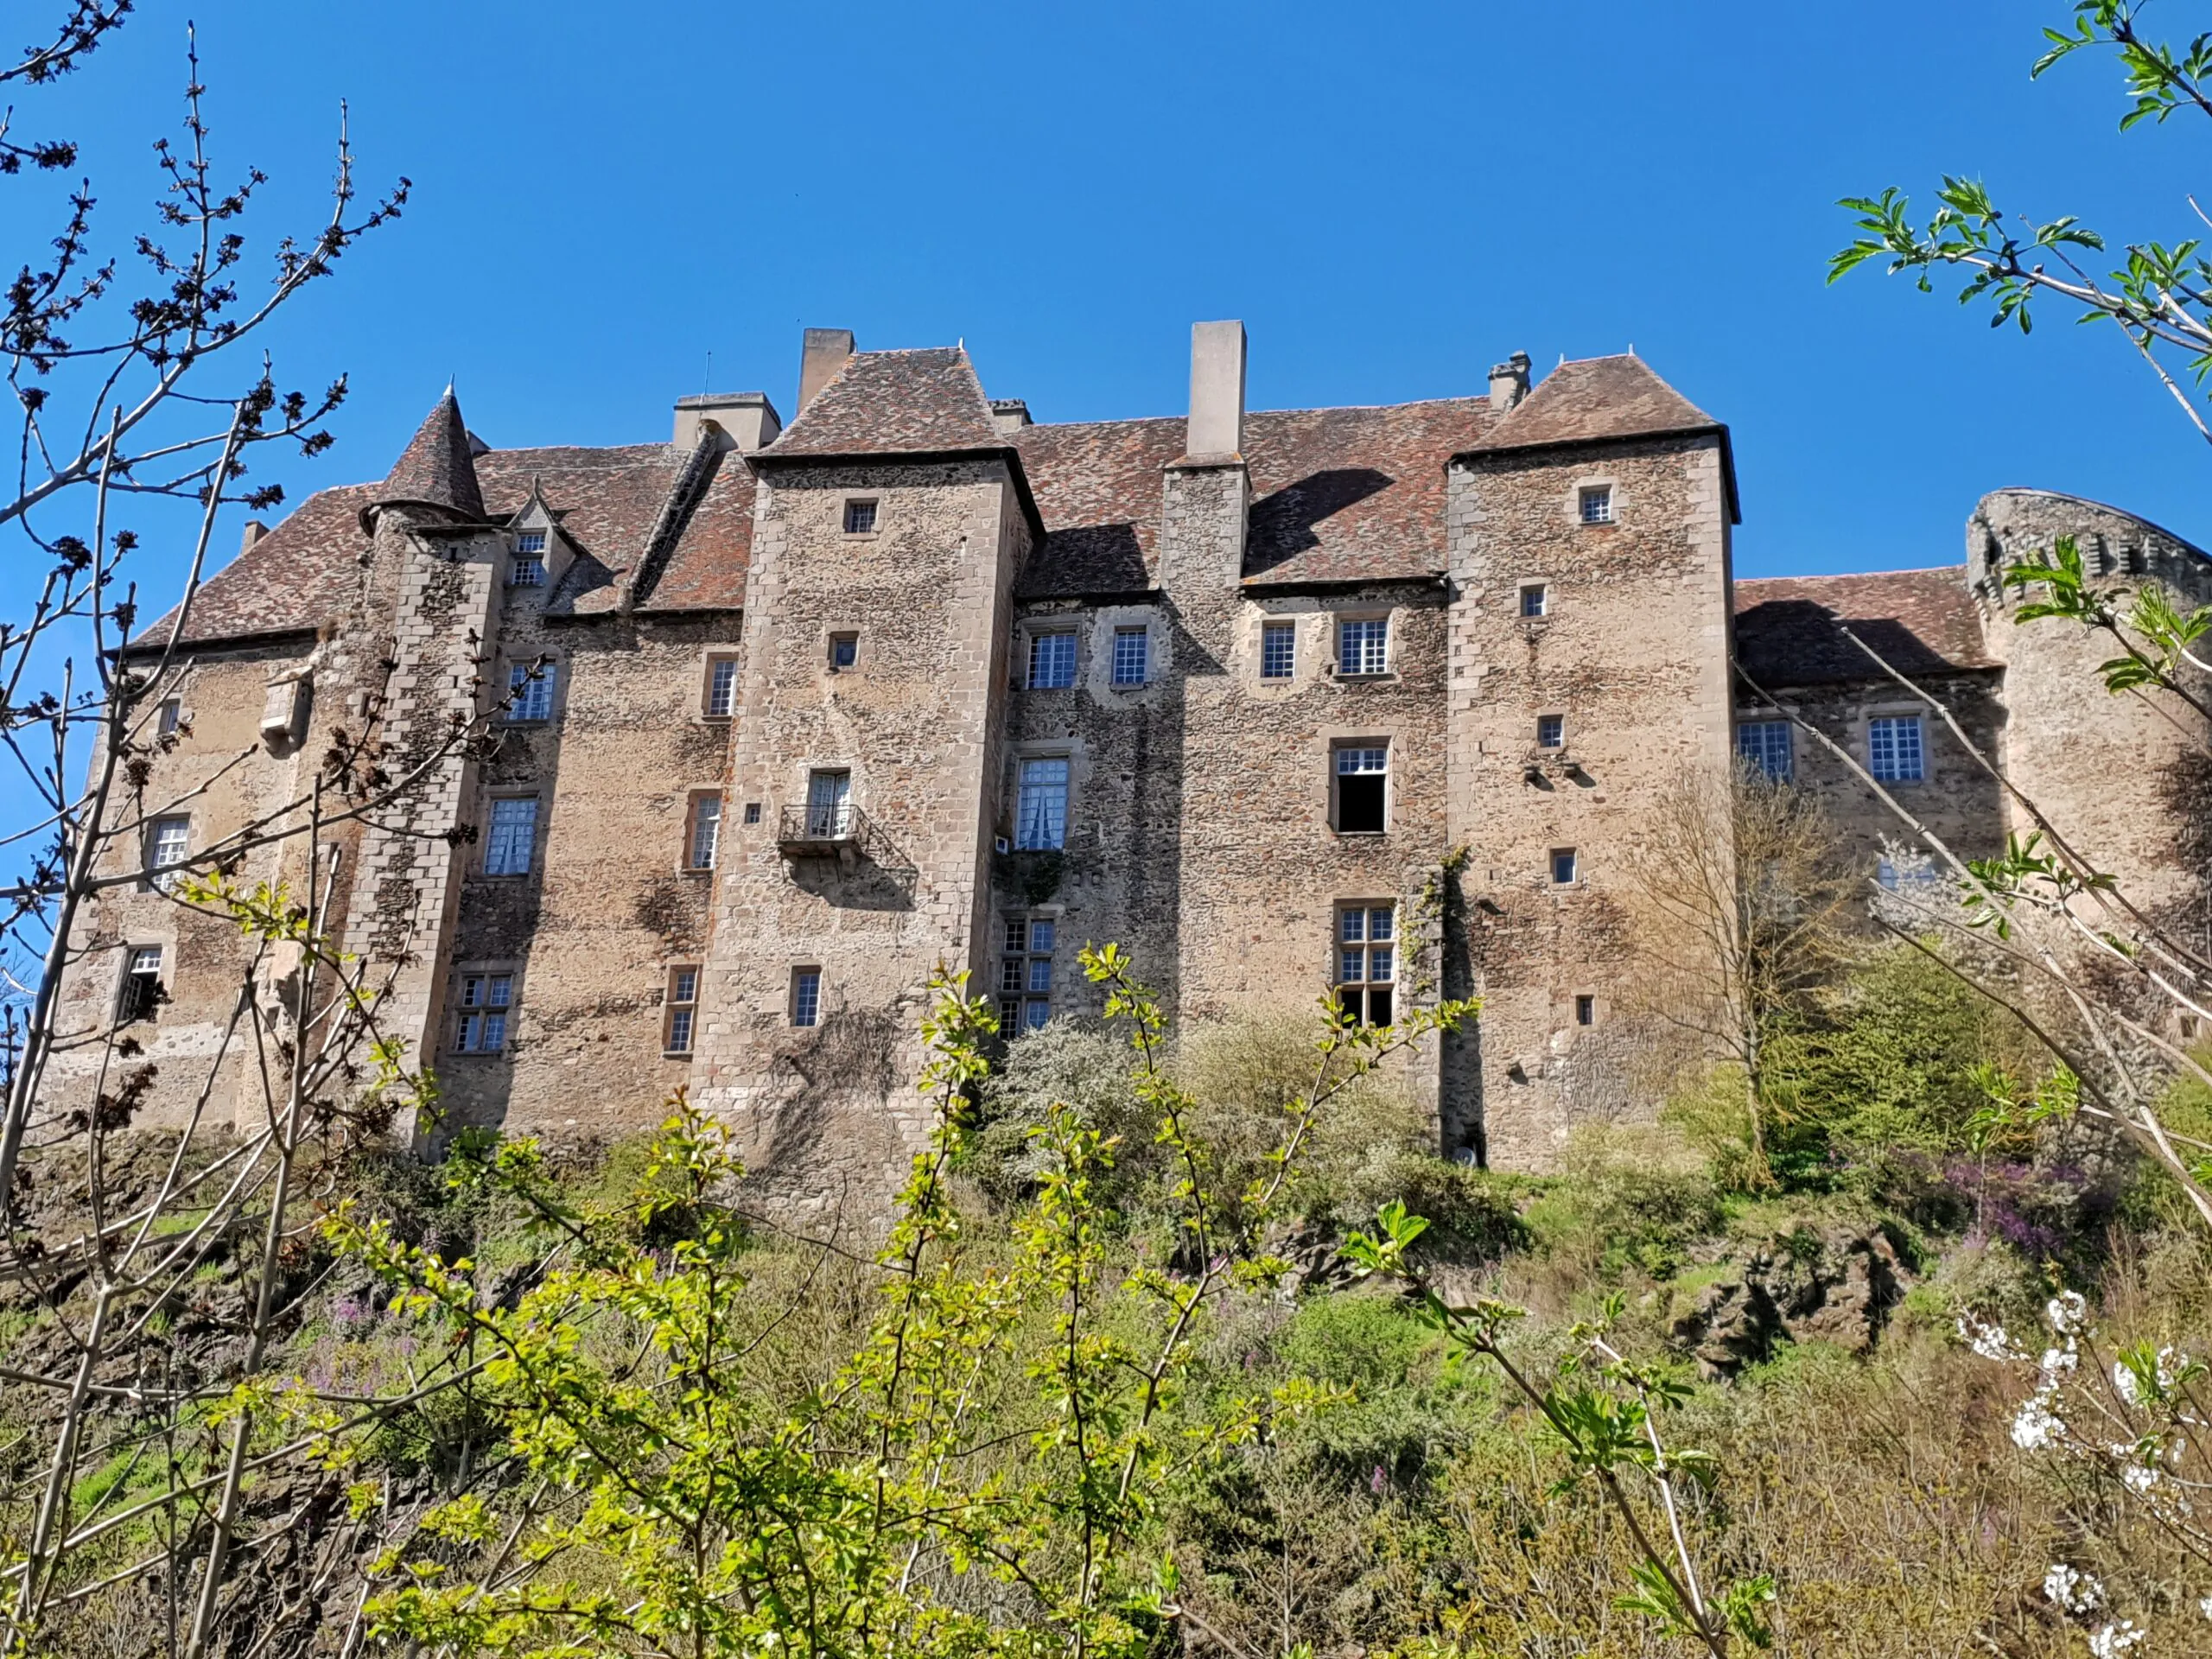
(823, 828)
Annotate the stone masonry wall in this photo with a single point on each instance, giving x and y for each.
(831, 1109)
(1632, 652)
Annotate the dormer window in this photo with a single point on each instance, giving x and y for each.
(529, 570)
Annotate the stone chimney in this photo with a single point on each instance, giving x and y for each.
(1509, 382)
(822, 355)
(747, 417)
(255, 530)
(1009, 414)
(1216, 390)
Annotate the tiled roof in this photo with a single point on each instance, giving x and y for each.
(301, 574)
(434, 469)
(1338, 494)
(1594, 398)
(893, 403)
(707, 570)
(1920, 621)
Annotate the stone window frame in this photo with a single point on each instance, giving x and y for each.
(791, 1003)
(1042, 748)
(155, 878)
(513, 792)
(1023, 996)
(1583, 486)
(1393, 639)
(670, 1003)
(557, 681)
(1548, 595)
(1029, 627)
(1862, 733)
(1300, 659)
(703, 711)
(1583, 1009)
(123, 998)
(1366, 945)
(693, 799)
(830, 638)
(1581, 878)
(847, 500)
(1538, 744)
(1334, 744)
(485, 968)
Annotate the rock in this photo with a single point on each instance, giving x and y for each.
(1826, 1282)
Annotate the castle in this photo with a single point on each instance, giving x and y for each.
(788, 715)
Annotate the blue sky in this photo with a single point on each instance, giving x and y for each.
(1393, 197)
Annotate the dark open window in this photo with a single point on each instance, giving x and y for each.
(1362, 785)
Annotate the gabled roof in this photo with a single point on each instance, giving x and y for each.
(1597, 399)
(1920, 621)
(893, 403)
(434, 470)
(1337, 495)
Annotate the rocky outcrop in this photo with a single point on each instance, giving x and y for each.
(1824, 1282)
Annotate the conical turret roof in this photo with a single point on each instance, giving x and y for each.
(434, 470)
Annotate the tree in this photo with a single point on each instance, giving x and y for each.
(1742, 897)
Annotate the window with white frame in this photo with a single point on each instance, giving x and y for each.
(806, 997)
(529, 566)
(1566, 866)
(1596, 504)
(704, 838)
(512, 841)
(529, 692)
(1363, 646)
(1766, 744)
(169, 843)
(721, 687)
(1894, 751)
(168, 716)
(1551, 731)
(829, 804)
(682, 1003)
(140, 994)
(1132, 656)
(860, 518)
(1362, 788)
(1052, 660)
(1026, 975)
(1040, 807)
(1278, 650)
(1536, 599)
(480, 1020)
(1366, 962)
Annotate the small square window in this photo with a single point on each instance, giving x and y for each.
(1585, 1010)
(860, 518)
(1278, 650)
(1364, 647)
(167, 716)
(1597, 504)
(683, 1004)
(722, 687)
(806, 997)
(1052, 660)
(752, 811)
(1551, 731)
(844, 651)
(1566, 868)
(1536, 599)
(1132, 656)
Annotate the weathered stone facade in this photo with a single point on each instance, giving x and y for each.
(781, 721)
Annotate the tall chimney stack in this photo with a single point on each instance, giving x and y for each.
(822, 356)
(1216, 390)
(1509, 382)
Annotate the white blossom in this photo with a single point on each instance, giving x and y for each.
(2204, 1606)
(2137, 1478)
(2037, 1426)
(2059, 1360)
(2112, 1640)
(1987, 1338)
(2073, 1589)
(2066, 1312)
